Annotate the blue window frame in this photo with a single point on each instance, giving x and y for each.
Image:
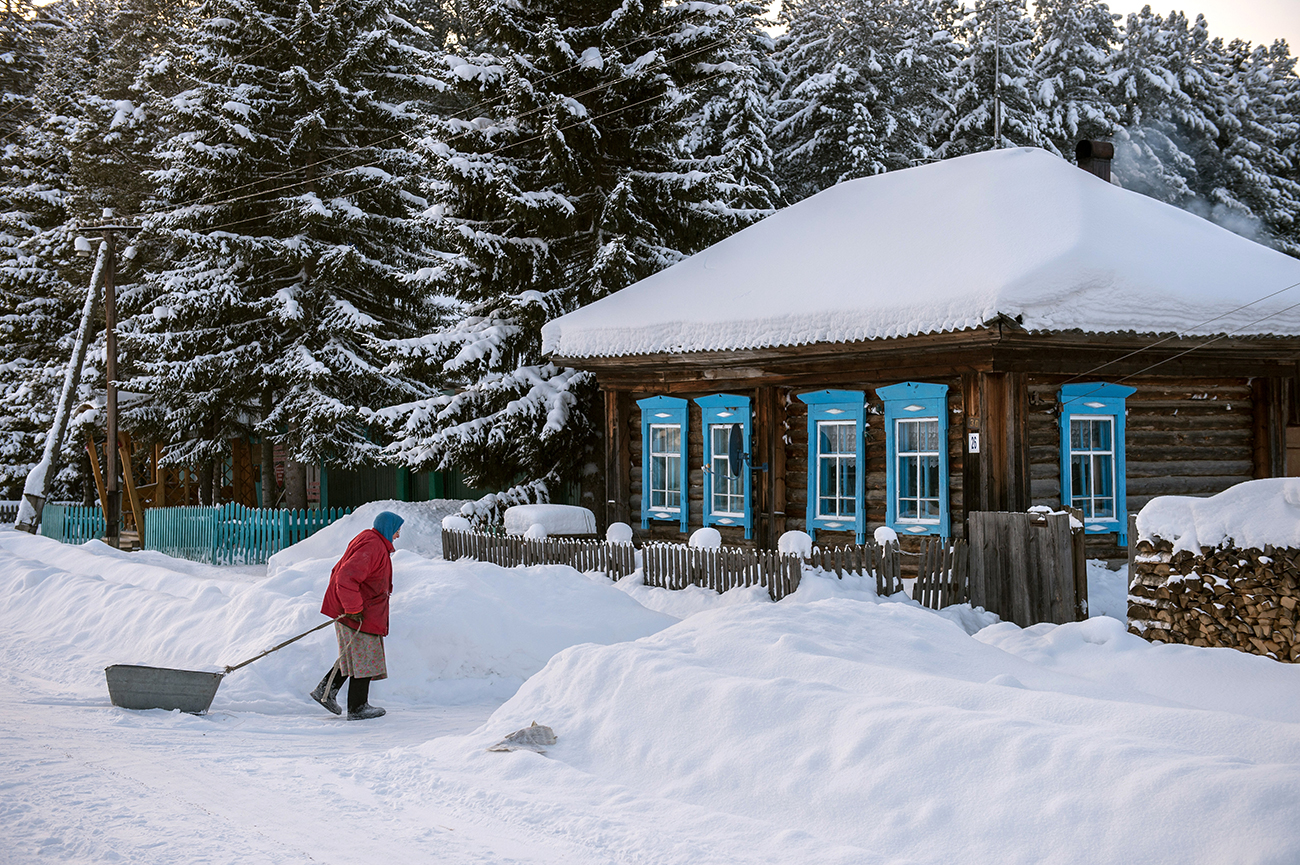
(916, 453)
(664, 428)
(837, 461)
(1092, 456)
(728, 489)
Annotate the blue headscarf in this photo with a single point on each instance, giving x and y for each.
(387, 524)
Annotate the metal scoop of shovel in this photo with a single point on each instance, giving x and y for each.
(132, 686)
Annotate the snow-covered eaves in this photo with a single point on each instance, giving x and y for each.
(949, 246)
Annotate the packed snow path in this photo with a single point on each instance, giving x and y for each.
(835, 727)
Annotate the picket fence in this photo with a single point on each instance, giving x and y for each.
(883, 561)
(8, 513)
(72, 524)
(942, 574)
(941, 565)
(676, 566)
(614, 560)
(232, 534)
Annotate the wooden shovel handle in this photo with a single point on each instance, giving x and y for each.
(281, 646)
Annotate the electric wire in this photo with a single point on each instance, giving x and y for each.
(202, 202)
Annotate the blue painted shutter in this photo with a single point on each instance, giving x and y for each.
(724, 410)
(665, 411)
(915, 401)
(1098, 400)
(840, 406)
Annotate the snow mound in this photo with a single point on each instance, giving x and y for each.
(421, 532)
(1070, 744)
(555, 519)
(1250, 514)
(451, 621)
(707, 538)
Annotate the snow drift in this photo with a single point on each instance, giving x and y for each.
(891, 731)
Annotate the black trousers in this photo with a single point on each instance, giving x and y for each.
(358, 690)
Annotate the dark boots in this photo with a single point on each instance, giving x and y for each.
(329, 700)
(359, 708)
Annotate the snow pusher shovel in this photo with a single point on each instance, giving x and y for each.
(132, 686)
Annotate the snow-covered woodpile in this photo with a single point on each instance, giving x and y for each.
(1241, 598)
(1221, 571)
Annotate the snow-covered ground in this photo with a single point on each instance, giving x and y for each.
(833, 727)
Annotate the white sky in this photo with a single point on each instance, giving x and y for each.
(1260, 21)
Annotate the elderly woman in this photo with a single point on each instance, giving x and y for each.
(358, 598)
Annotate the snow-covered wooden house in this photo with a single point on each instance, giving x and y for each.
(986, 333)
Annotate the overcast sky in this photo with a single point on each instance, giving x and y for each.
(1256, 20)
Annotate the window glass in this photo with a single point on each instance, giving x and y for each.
(837, 464)
(665, 466)
(918, 469)
(728, 490)
(1092, 466)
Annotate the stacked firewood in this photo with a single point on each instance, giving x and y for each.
(1245, 599)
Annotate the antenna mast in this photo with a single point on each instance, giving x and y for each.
(997, 76)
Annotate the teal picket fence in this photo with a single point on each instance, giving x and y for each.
(232, 534)
(72, 524)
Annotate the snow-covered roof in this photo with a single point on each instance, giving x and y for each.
(946, 247)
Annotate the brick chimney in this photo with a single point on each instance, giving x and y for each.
(1095, 157)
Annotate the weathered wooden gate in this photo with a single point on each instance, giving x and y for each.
(1028, 568)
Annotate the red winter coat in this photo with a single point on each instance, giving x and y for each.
(362, 582)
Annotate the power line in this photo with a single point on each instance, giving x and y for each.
(375, 163)
(486, 153)
(1172, 337)
(603, 86)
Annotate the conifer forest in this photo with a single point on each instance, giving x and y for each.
(350, 218)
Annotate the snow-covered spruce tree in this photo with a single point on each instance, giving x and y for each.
(865, 82)
(1258, 177)
(1159, 122)
(563, 180)
(730, 134)
(39, 296)
(1075, 41)
(998, 34)
(289, 232)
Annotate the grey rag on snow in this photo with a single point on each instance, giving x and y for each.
(533, 738)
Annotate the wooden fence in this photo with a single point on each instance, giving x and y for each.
(675, 566)
(884, 561)
(942, 574)
(72, 524)
(1028, 568)
(614, 560)
(232, 534)
(8, 513)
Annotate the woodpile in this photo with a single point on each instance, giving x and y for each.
(1244, 599)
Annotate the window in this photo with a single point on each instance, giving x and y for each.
(916, 468)
(728, 486)
(1092, 455)
(837, 469)
(663, 461)
(836, 461)
(1092, 466)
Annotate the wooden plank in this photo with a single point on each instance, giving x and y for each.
(618, 459)
(128, 477)
(93, 450)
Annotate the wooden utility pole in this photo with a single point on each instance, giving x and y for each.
(113, 518)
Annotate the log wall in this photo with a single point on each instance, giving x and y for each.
(1183, 437)
(794, 449)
